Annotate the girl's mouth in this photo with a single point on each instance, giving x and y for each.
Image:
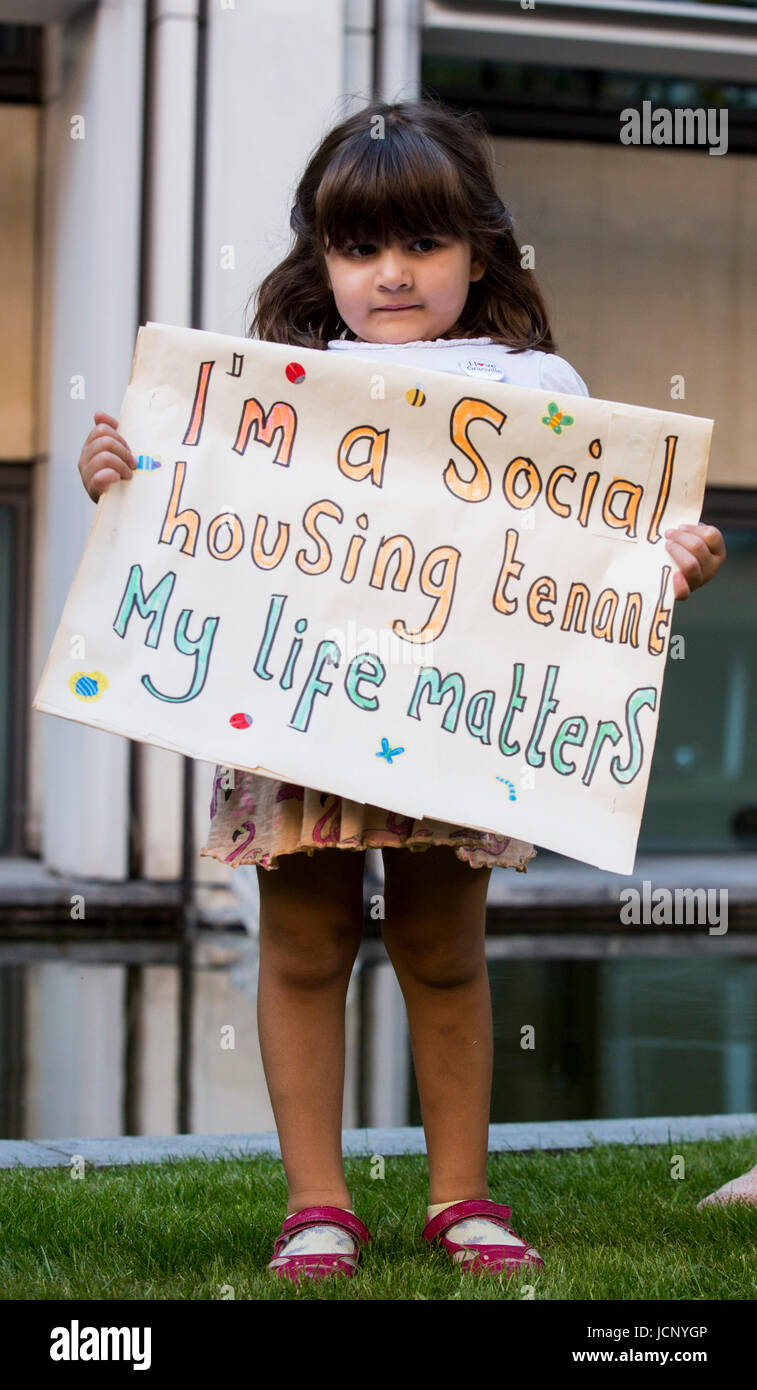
(395, 308)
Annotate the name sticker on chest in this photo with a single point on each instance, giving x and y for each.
(474, 366)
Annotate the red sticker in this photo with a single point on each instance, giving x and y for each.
(295, 372)
(240, 721)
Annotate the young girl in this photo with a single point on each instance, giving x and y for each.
(404, 253)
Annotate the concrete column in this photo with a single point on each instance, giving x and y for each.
(170, 264)
(398, 40)
(358, 52)
(89, 295)
(277, 74)
(74, 1042)
(387, 1053)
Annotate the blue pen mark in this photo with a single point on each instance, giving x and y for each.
(511, 785)
(387, 752)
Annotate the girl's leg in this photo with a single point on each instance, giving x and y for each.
(435, 913)
(311, 924)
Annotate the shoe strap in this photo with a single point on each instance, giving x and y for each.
(317, 1216)
(459, 1211)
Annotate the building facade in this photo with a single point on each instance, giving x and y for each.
(150, 153)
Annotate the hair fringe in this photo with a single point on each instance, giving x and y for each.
(431, 169)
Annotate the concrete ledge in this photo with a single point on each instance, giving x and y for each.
(556, 1135)
(551, 880)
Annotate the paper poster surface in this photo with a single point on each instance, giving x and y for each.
(442, 595)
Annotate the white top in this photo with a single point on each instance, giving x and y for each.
(475, 357)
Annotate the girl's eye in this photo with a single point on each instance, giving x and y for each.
(370, 248)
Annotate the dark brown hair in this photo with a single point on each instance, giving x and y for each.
(420, 169)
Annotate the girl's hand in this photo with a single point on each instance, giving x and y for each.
(699, 551)
(106, 457)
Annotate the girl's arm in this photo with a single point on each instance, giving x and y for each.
(699, 551)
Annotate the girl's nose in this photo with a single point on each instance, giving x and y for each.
(393, 272)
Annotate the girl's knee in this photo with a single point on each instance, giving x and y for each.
(309, 941)
(309, 967)
(435, 963)
(310, 951)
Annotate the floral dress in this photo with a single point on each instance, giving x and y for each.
(259, 818)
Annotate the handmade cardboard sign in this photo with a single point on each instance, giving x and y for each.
(443, 595)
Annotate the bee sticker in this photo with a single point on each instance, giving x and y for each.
(416, 395)
(557, 419)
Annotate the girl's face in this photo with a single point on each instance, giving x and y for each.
(403, 291)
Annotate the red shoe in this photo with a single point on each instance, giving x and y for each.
(313, 1265)
(473, 1258)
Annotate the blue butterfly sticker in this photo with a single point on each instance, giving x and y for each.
(387, 752)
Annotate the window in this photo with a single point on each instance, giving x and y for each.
(7, 571)
(14, 692)
(702, 791)
(581, 103)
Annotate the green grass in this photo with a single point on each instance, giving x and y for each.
(610, 1223)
